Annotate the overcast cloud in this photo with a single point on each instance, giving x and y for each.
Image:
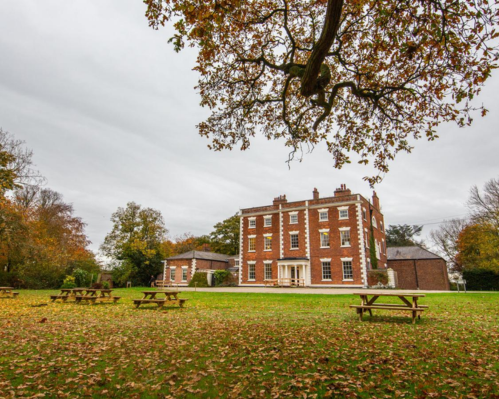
(109, 110)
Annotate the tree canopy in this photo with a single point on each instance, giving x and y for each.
(402, 235)
(135, 242)
(225, 237)
(362, 75)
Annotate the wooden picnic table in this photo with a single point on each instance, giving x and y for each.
(8, 292)
(150, 297)
(86, 294)
(409, 303)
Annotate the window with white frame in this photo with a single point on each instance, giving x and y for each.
(267, 243)
(267, 221)
(343, 212)
(252, 223)
(324, 238)
(347, 270)
(184, 273)
(367, 239)
(323, 215)
(236, 262)
(345, 237)
(374, 222)
(381, 225)
(294, 240)
(293, 217)
(383, 246)
(251, 244)
(326, 270)
(251, 271)
(172, 273)
(364, 213)
(376, 246)
(268, 270)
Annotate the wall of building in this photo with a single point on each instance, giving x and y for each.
(308, 228)
(427, 274)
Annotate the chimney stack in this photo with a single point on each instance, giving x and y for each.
(343, 190)
(280, 200)
(315, 194)
(375, 200)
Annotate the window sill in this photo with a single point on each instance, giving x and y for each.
(327, 279)
(252, 251)
(251, 279)
(294, 249)
(346, 246)
(325, 247)
(343, 218)
(267, 250)
(348, 279)
(326, 220)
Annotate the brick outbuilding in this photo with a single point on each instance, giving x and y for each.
(418, 268)
(179, 269)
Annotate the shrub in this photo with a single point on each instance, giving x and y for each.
(481, 280)
(376, 277)
(106, 285)
(82, 278)
(69, 282)
(222, 277)
(199, 280)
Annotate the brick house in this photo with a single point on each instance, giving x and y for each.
(179, 269)
(322, 242)
(418, 268)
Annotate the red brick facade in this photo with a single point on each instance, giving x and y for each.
(423, 274)
(277, 254)
(185, 267)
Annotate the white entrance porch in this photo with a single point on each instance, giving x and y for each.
(293, 272)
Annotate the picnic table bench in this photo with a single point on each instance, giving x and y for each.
(86, 294)
(368, 304)
(150, 297)
(8, 292)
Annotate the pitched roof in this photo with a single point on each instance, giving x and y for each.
(201, 255)
(405, 253)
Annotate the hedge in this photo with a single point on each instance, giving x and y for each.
(481, 280)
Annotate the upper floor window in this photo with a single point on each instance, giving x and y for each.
(324, 239)
(374, 222)
(294, 241)
(267, 221)
(323, 215)
(347, 270)
(376, 247)
(268, 271)
(343, 212)
(326, 270)
(267, 243)
(364, 213)
(293, 218)
(345, 237)
(252, 244)
(367, 239)
(251, 271)
(172, 273)
(184, 273)
(381, 225)
(252, 223)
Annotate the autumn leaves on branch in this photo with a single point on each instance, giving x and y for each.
(361, 76)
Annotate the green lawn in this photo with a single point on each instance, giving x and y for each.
(248, 345)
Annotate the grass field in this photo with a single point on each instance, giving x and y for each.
(248, 345)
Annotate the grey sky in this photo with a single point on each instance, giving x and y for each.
(110, 110)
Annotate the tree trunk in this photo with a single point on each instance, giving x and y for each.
(313, 68)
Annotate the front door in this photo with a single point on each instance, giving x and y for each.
(295, 272)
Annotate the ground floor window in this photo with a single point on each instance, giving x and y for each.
(184, 274)
(172, 273)
(326, 270)
(347, 270)
(251, 271)
(268, 271)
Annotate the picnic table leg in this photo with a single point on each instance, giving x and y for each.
(414, 312)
